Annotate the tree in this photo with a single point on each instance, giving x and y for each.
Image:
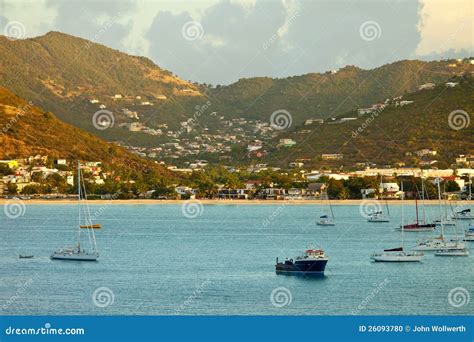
(31, 189)
(12, 188)
(5, 169)
(336, 189)
(452, 186)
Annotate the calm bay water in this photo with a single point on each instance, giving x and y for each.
(157, 261)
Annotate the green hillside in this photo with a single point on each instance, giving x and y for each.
(27, 130)
(386, 138)
(62, 73)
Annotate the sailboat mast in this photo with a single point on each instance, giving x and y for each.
(416, 205)
(403, 217)
(439, 198)
(79, 203)
(423, 198)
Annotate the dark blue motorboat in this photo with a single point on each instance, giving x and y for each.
(311, 263)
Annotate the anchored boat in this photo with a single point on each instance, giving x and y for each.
(311, 263)
(469, 234)
(438, 242)
(325, 220)
(78, 252)
(397, 254)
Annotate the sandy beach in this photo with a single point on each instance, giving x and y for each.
(222, 202)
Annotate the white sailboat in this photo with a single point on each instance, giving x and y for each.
(398, 254)
(325, 219)
(438, 242)
(465, 214)
(379, 216)
(452, 252)
(78, 252)
(446, 220)
(469, 233)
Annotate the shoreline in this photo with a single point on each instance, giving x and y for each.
(227, 202)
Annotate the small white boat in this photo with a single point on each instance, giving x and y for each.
(445, 222)
(378, 217)
(469, 234)
(74, 253)
(396, 255)
(325, 221)
(464, 214)
(437, 243)
(77, 252)
(452, 252)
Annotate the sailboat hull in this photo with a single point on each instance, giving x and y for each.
(75, 256)
(321, 223)
(452, 253)
(436, 245)
(396, 257)
(378, 220)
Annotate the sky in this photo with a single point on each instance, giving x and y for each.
(221, 41)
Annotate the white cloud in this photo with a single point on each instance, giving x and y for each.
(445, 25)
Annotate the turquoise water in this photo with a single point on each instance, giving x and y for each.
(154, 260)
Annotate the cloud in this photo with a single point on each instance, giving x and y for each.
(248, 38)
(283, 38)
(231, 45)
(104, 22)
(445, 26)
